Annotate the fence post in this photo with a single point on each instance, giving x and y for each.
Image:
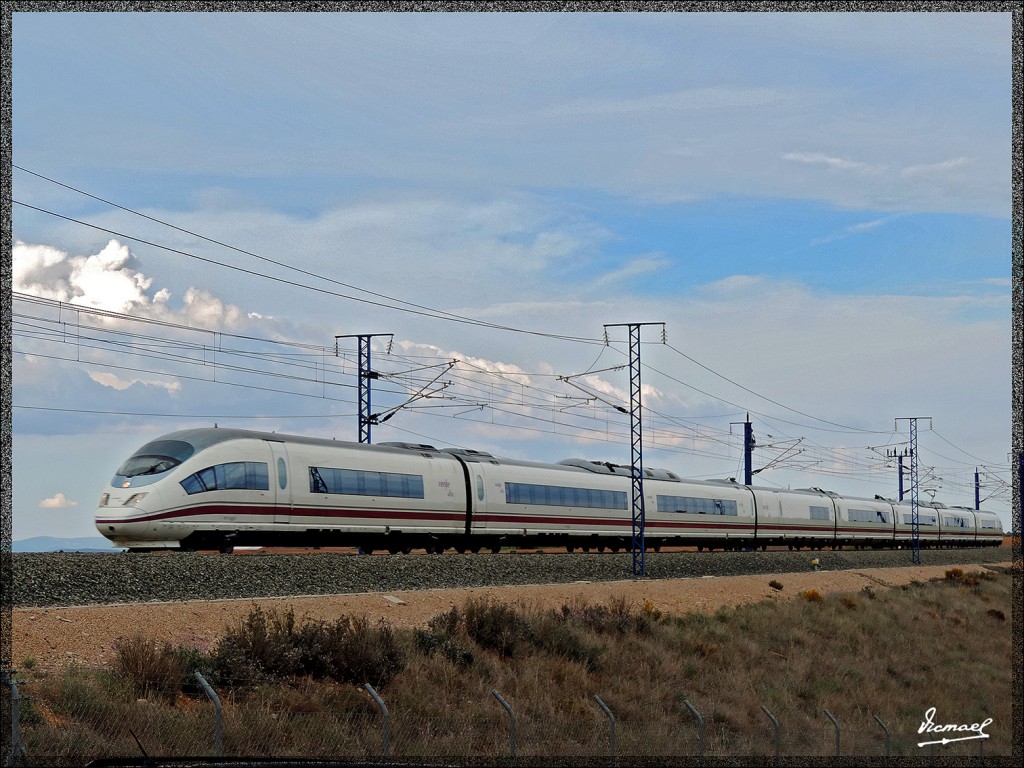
(16, 751)
(218, 714)
(838, 729)
(700, 724)
(775, 724)
(886, 729)
(611, 726)
(386, 750)
(511, 722)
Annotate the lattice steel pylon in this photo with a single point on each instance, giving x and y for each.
(638, 548)
(366, 374)
(915, 514)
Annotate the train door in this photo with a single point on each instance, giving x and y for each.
(281, 484)
(477, 492)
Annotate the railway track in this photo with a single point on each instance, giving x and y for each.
(67, 579)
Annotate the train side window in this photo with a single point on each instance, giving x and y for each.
(247, 475)
(820, 513)
(865, 516)
(559, 496)
(479, 487)
(921, 519)
(697, 506)
(192, 484)
(282, 473)
(356, 482)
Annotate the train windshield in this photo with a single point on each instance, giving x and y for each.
(155, 458)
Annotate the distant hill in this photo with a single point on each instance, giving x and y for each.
(54, 544)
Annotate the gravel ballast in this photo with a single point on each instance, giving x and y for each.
(66, 579)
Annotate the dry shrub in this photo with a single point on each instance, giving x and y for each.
(260, 646)
(496, 626)
(430, 642)
(617, 617)
(512, 633)
(270, 645)
(959, 577)
(151, 665)
(812, 596)
(849, 602)
(358, 652)
(651, 610)
(775, 584)
(995, 613)
(553, 635)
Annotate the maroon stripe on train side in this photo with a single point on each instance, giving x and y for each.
(269, 511)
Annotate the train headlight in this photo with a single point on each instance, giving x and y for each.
(134, 499)
(104, 499)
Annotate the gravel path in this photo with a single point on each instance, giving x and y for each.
(67, 579)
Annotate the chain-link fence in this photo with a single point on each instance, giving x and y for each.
(80, 718)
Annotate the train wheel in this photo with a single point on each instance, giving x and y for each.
(496, 549)
(586, 549)
(366, 550)
(226, 549)
(570, 548)
(600, 547)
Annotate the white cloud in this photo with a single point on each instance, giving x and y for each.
(109, 280)
(853, 229)
(57, 501)
(105, 280)
(840, 163)
(115, 382)
(935, 168)
(633, 268)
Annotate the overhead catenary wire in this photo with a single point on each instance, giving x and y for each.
(394, 305)
(536, 396)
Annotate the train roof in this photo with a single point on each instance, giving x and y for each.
(203, 437)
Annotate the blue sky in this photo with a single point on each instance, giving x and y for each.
(817, 205)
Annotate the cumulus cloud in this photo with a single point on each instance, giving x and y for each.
(115, 382)
(106, 280)
(57, 501)
(112, 281)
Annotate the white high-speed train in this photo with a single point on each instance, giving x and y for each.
(221, 488)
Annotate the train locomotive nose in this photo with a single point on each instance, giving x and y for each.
(117, 510)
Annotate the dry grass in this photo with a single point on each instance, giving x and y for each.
(892, 653)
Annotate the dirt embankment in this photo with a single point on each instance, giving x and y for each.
(56, 637)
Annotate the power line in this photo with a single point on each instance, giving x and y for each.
(410, 307)
(417, 309)
(764, 397)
